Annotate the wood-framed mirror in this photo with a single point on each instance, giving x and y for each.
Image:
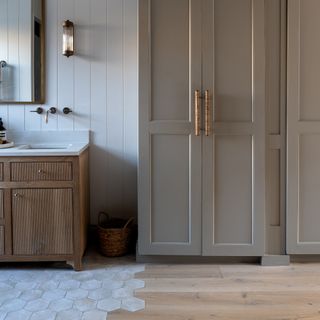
(22, 51)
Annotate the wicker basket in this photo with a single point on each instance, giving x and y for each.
(114, 235)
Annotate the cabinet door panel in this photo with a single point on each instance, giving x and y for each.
(170, 196)
(170, 59)
(42, 221)
(303, 118)
(233, 59)
(169, 152)
(233, 219)
(234, 154)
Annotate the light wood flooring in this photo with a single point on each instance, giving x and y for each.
(242, 292)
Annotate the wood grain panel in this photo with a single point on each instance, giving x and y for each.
(1, 205)
(41, 171)
(241, 292)
(1, 171)
(1, 240)
(84, 198)
(42, 221)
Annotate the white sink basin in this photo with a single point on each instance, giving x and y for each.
(46, 143)
(45, 147)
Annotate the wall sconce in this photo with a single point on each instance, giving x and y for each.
(68, 35)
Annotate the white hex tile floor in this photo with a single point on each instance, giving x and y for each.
(56, 292)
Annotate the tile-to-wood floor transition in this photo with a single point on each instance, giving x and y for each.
(56, 292)
(228, 292)
(170, 292)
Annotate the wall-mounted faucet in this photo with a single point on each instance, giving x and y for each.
(52, 110)
(39, 110)
(66, 110)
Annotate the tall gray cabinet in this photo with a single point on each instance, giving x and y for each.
(303, 145)
(201, 127)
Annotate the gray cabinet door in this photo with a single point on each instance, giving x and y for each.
(169, 151)
(303, 116)
(234, 153)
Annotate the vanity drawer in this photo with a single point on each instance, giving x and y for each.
(41, 171)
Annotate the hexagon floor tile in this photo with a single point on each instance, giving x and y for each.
(55, 292)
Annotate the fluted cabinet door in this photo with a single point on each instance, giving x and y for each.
(169, 150)
(2, 224)
(42, 221)
(1, 240)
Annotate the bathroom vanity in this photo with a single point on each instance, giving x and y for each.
(44, 199)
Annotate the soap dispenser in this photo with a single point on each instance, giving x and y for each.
(3, 133)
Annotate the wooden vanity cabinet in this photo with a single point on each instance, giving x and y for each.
(44, 208)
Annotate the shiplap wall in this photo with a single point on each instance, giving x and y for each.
(16, 29)
(100, 85)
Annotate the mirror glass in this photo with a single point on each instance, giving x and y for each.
(21, 51)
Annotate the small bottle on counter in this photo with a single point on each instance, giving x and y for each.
(3, 133)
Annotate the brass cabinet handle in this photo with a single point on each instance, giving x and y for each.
(197, 112)
(207, 113)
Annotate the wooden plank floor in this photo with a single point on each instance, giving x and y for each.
(240, 292)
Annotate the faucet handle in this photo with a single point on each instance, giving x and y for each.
(39, 110)
(53, 110)
(66, 110)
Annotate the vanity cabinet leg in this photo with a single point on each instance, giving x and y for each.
(76, 264)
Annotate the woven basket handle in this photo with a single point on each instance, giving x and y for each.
(128, 223)
(102, 214)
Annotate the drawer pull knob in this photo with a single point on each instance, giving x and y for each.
(17, 195)
(40, 171)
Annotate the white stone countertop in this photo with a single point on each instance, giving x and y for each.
(44, 144)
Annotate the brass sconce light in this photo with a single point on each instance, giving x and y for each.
(68, 36)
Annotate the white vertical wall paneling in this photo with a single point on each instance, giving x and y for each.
(130, 43)
(100, 84)
(65, 68)
(4, 113)
(115, 105)
(16, 120)
(82, 77)
(3, 50)
(25, 49)
(99, 152)
(32, 119)
(13, 49)
(3, 39)
(52, 30)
